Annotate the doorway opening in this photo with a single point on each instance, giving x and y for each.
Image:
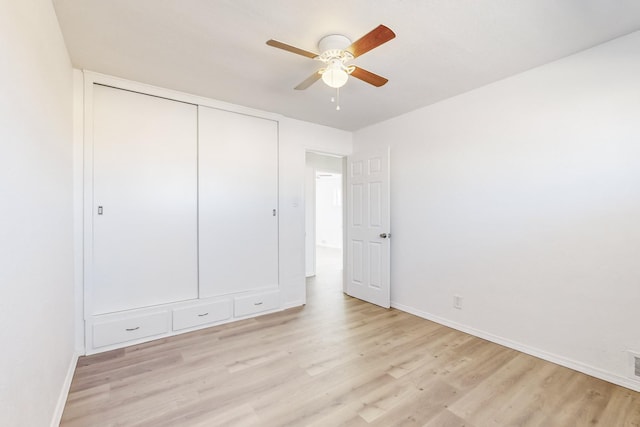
(325, 210)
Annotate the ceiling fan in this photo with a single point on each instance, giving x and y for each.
(336, 51)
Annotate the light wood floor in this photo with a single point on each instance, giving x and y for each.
(338, 361)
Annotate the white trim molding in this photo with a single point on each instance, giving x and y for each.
(549, 357)
(64, 391)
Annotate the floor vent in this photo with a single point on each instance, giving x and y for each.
(634, 362)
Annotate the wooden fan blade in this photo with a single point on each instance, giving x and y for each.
(369, 77)
(371, 40)
(309, 81)
(292, 49)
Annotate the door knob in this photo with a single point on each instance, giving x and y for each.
(385, 235)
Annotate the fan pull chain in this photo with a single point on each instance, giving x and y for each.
(333, 99)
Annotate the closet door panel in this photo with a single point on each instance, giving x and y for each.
(145, 200)
(238, 188)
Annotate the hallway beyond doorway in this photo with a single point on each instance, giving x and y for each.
(328, 260)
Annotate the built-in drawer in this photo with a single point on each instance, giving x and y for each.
(256, 303)
(201, 314)
(130, 328)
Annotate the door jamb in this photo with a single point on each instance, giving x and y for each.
(344, 158)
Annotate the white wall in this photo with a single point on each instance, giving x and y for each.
(296, 138)
(523, 197)
(329, 210)
(36, 214)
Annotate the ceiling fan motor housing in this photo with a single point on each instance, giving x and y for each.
(333, 42)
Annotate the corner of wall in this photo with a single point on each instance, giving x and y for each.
(78, 202)
(64, 391)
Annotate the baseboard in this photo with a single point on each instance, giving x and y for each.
(64, 392)
(549, 357)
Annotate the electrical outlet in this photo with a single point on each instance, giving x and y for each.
(457, 302)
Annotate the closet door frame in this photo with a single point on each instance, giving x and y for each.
(89, 80)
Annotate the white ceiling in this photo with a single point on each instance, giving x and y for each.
(216, 48)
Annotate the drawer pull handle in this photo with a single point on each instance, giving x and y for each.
(202, 315)
(257, 303)
(132, 329)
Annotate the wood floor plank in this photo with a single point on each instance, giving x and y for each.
(623, 409)
(447, 419)
(423, 403)
(337, 361)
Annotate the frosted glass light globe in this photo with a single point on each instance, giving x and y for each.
(334, 76)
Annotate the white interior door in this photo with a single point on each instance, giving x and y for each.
(368, 227)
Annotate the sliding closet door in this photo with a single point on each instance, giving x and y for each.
(238, 187)
(144, 201)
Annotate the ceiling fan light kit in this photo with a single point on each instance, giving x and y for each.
(336, 74)
(334, 55)
(336, 50)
